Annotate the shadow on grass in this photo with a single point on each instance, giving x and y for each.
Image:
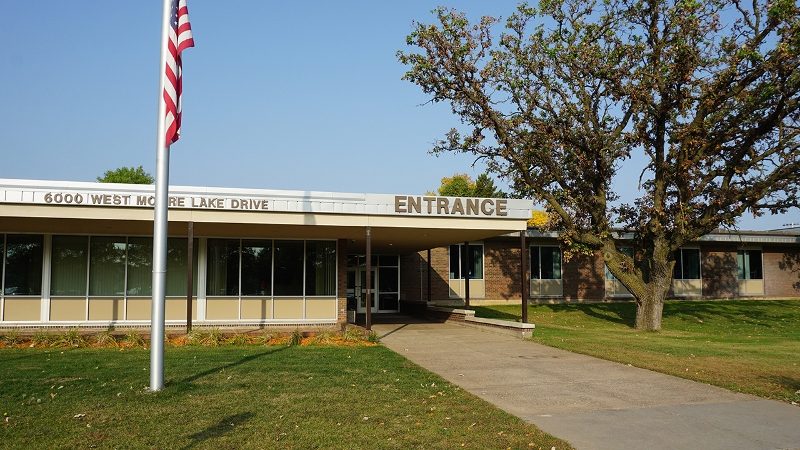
(244, 360)
(225, 425)
(787, 383)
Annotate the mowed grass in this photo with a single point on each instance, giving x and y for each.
(750, 346)
(244, 396)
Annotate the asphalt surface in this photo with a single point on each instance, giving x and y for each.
(592, 403)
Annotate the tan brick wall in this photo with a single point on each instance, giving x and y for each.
(781, 272)
(501, 269)
(341, 266)
(584, 277)
(718, 270)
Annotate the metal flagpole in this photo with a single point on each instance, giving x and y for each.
(160, 221)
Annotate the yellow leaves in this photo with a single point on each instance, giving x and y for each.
(538, 219)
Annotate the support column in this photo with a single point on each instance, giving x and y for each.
(429, 275)
(465, 273)
(190, 281)
(369, 280)
(523, 274)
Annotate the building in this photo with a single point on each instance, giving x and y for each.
(80, 254)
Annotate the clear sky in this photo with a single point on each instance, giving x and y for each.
(301, 95)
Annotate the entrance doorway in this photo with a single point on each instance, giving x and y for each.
(357, 289)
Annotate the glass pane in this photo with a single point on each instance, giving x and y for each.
(555, 256)
(455, 262)
(740, 264)
(535, 267)
(387, 302)
(69, 265)
(754, 264)
(223, 267)
(677, 271)
(388, 279)
(140, 266)
(288, 268)
(320, 268)
(177, 272)
(256, 267)
(691, 263)
(107, 266)
(24, 264)
(389, 260)
(475, 263)
(352, 260)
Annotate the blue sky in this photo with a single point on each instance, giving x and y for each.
(302, 95)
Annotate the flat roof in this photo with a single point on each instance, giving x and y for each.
(399, 223)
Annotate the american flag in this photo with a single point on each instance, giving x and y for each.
(180, 37)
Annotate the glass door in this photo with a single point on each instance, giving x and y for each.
(357, 289)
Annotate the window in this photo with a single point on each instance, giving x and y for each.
(256, 267)
(687, 264)
(545, 263)
(474, 262)
(320, 268)
(289, 268)
(69, 265)
(140, 266)
(749, 265)
(222, 268)
(107, 266)
(23, 264)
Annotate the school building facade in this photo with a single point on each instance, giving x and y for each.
(80, 254)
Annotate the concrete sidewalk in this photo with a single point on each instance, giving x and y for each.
(592, 403)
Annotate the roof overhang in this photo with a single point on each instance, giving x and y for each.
(398, 223)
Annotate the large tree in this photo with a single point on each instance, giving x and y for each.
(705, 91)
(462, 185)
(129, 175)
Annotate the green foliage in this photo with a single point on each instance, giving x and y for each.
(462, 185)
(707, 94)
(70, 338)
(134, 338)
(295, 338)
(11, 338)
(127, 175)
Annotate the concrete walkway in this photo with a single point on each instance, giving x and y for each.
(592, 403)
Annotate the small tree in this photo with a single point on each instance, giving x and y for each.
(462, 185)
(706, 92)
(127, 175)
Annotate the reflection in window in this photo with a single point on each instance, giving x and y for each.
(177, 272)
(256, 267)
(749, 265)
(687, 264)
(474, 262)
(288, 268)
(545, 263)
(320, 268)
(140, 266)
(69, 265)
(107, 266)
(23, 268)
(222, 277)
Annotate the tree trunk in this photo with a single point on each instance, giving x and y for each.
(651, 304)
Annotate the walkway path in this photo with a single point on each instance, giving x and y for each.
(592, 403)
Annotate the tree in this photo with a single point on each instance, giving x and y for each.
(462, 185)
(127, 175)
(706, 92)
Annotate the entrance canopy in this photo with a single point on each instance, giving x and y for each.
(399, 223)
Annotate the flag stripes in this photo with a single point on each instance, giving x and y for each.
(180, 38)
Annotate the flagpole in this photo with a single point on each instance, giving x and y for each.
(160, 221)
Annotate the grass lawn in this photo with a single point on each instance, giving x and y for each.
(750, 346)
(244, 396)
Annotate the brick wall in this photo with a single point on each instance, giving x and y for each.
(781, 272)
(718, 270)
(341, 261)
(501, 269)
(584, 277)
